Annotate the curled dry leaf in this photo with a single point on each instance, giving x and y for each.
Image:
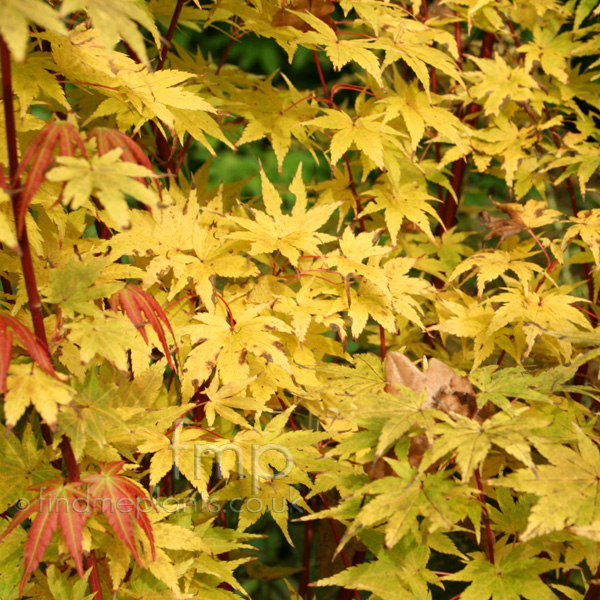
(319, 8)
(446, 391)
(499, 227)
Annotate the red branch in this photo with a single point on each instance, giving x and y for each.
(35, 303)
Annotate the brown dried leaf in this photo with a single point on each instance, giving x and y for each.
(499, 227)
(446, 391)
(319, 8)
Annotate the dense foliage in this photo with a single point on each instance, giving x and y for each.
(388, 336)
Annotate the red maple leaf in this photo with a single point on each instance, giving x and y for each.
(118, 498)
(135, 302)
(57, 504)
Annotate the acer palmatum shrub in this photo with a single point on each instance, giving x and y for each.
(392, 349)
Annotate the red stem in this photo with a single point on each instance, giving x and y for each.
(486, 517)
(321, 77)
(309, 530)
(35, 304)
(457, 35)
(459, 168)
(382, 342)
(336, 535)
(224, 57)
(231, 319)
(170, 32)
(535, 237)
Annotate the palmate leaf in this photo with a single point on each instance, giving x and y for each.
(512, 577)
(491, 264)
(497, 82)
(399, 502)
(291, 234)
(549, 309)
(369, 134)
(26, 386)
(587, 226)
(19, 458)
(118, 18)
(472, 441)
(34, 78)
(108, 335)
(398, 573)
(119, 498)
(399, 201)
(135, 302)
(14, 20)
(8, 326)
(276, 115)
(107, 178)
(339, 51)
(567, 487)
(108, 139)
(224, 345)
(39, 157)
(72, 287)
(57, 504)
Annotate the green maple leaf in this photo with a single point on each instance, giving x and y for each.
(472, 441)
(398, 573)
(512, 577)
(110, 336)
(568, 487)
(512, 513)
(19, 459)
(72, 287)
(400, 501)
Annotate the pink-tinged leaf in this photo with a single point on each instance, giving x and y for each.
(55, 505)
(135, 302)
(39, 154)
(27, 338)
(71, 522)
(119, 496)
(109, 139)
(38, 537)
(20, 517)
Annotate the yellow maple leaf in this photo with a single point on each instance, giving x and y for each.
(115, 19)
(491, 264)
(28, 384)
(403, 200)
(110, 336)
(497, 82)
(14, 23)
(369, 134)
(292, 234)
(341, 52)
(224, 344)
(587, 225)
(539, 311)
(107, 178)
